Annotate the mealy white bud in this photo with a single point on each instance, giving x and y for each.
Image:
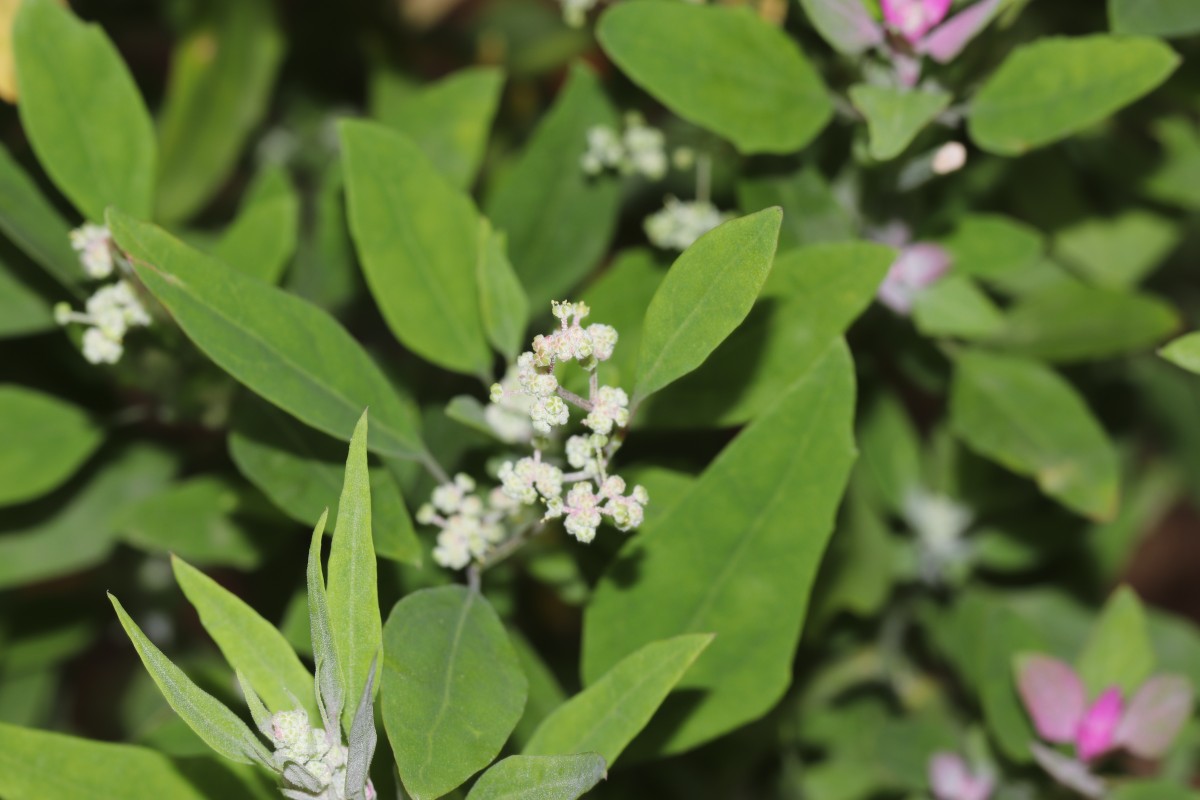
(98, 348)
(91, 242)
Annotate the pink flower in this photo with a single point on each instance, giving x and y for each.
(912, 19)
(917, 267)
(951, 779)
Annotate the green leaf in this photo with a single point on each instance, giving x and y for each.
(956, 306)
(545, 693)
(260, 242)
(35, 226)
(1028, 419)
(353, 585)
(1184, 352)
(707, 293)
(1118, 651)
(1117, 252)
(1075, 322)
(1054, 87)
(1176, 179)
(811, 213)
(1005, 635)
(895, 115)
(68, 72)
(331, 695)
(77, 531)
(195, 518)
(300, 471)
(993, 247)
(449, 119)
(324, 270)
(285, 349)
(417, 237)
(1166, 18)
(46, 441)
(605, 716)
(24, 307)
(564, 777)
(745, 78)
(891, 451)
(219, 727)
(452, 688)
(1152, 790)
(812, 296)
(502, 300)
(764, 510)
(559, 221)
(221, 77)
(619, 297)
(249, 643)
(38, 764)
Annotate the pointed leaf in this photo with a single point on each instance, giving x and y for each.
(220, 728)
(362, 738)
(285, 349)
(502, 300)
(1118, 652)
(1056, 86)
(1184, 352)
(417, 238)
(1155, 716)
(45, 441)
(764, 510)
(956, 306)
(35, 226)
(258, 710)
(540, 778)
(1053, 696)
(811, 212)
(559, 221)
(847, 26)
(605, 716)
(707, 293)
(251, 645)
(260, 242)
(330, 692)
(452, 688)
(746, 79)
(1117, 252)
(353, 585)
(68, 71)
(1062, 446)
(896, 115)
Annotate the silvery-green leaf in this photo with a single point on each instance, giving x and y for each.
(362, 739)
(328, 668)
(258, 711)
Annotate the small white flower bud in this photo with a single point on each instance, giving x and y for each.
(497, 393)
(92, 244)
(99, 348)
(63, 313)
(950, 157)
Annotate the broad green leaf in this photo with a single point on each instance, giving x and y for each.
(73, 532)
(707, 293)
(1117, 252)
(502, 301)
(35, 765)
(222, 72)
(1184, 352)
(46, 441)
(417, 238)
(1165, 18)
(619, 297)
(811, 213)
(452, 688)
(249, 643)
(24, 307)
(1118, 651)
(220, 728)
(1025, 417)
(260, 242)
(565, 777)
(745, 79)
(895, 115)
(300, 470)
(956, 306)
(196, 518)
(812, 296)
(1076, 322)
(285, 349)
(449, 120)
(605, 716)
(67, 72)
(545, 692)
(1056, 86)
(891, 451)
(35, 226)
(764, 510)
(353, 585)
(1152, 790)
(559, 221)
(993, 247)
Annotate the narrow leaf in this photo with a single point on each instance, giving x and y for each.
(540, 778)
(330, 692)
(502, 300)
(35, 226)
(362, 738)
(260, 242)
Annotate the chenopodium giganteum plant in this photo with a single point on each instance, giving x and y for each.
(330, 762)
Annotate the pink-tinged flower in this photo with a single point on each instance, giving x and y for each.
(912, 19)
(917, 267)
(951, 779)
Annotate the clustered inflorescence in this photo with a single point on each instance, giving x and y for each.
(320, 753)
(112, 309)
(471, 527)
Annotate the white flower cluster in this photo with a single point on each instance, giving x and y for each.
(320, 754)
(639, 150)
(471, 529)
(680, 223)
(112, 309)
(575, 11)
(940, 524)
